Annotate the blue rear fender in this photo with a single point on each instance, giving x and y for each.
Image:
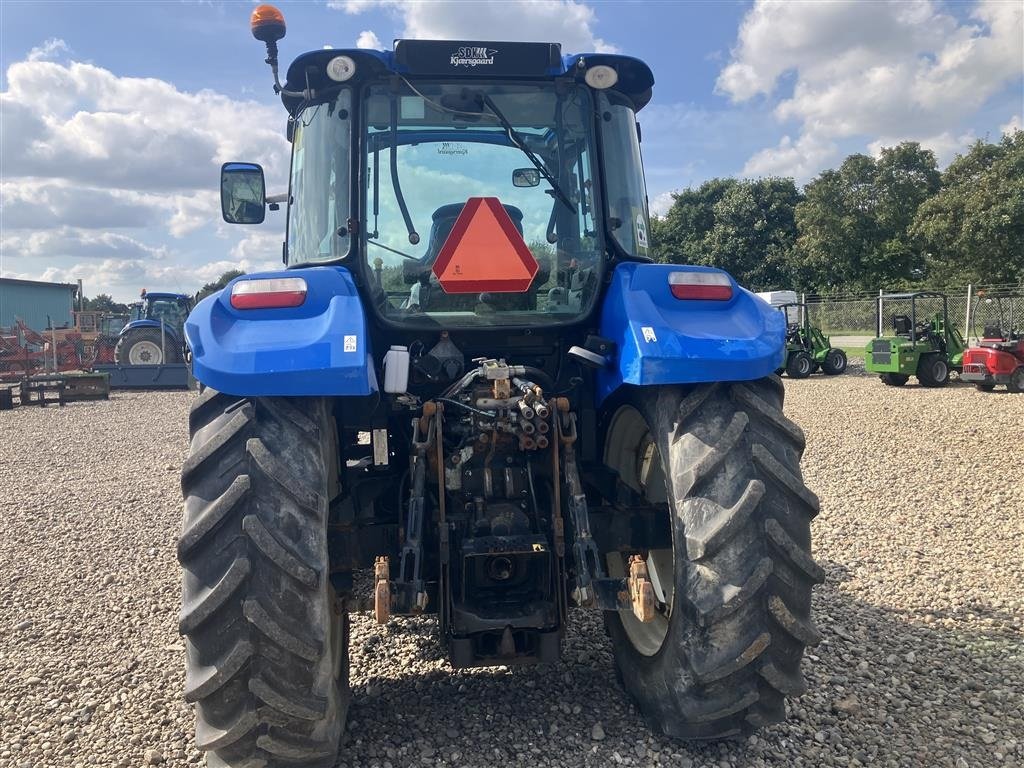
(171, 332)
(318, 348)
(665, 340)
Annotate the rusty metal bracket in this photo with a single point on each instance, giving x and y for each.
(641, 590)
(381, 590)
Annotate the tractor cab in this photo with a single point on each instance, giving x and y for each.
(169, 308)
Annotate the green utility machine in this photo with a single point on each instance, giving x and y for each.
(807, 348)
(927, 349)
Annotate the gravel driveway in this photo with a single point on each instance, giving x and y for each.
(921, 534)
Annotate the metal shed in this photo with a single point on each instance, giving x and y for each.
(33, 301)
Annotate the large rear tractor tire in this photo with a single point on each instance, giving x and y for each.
(733, 594)
(266, 643)
(835, 362)
(933, 370)
(143, 347)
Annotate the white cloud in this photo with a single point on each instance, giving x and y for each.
(50, 49)
(101, 170)
(660, 204)
(874, 70)
(78, 243)
(799, 159)
(368, 39)
(263, 248)
(568, 22)
(1015, 124)
(82, 122)
(945, 145)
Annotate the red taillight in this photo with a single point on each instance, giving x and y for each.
(268, 293)
(710, 286)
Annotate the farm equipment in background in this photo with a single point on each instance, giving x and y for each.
(807, 348)
(928, 349)
(88, 342)
(525, 430)
(999, 356)
(154, 335)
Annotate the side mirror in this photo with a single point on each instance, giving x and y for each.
(525, 177)
(242, 193)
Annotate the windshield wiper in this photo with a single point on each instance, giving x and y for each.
(518, 141)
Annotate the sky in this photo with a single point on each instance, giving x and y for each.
(115, 116)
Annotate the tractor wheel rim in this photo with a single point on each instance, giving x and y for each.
(643, 470)
(144, 353)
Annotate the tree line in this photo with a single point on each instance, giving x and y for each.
(103, 302)
(892, 222)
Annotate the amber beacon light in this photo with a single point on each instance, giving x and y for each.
(267, 24)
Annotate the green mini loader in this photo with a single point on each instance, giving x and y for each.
(928, 349)
(807, 348)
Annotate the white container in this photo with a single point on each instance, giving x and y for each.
(778, 298)
(396, 370)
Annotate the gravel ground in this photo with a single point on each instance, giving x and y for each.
(921, 534)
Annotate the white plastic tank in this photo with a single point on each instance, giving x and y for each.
(396, 370)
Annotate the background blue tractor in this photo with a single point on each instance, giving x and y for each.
(471, 384)
(155, 332)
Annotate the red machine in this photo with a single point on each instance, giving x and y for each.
(998, 359)
(24, 352)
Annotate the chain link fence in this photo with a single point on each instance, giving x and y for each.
(856, 316)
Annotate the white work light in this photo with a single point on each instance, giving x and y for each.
(341, 68)
(601, 76)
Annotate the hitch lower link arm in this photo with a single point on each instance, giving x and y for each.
(408, 592)
(593, 588)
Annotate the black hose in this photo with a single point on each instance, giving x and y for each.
(469, 408)
(414, 237)
(545, 381)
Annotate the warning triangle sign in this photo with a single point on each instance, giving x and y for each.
(485, 252)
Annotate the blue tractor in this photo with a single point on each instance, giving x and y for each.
(471, 385)
(155, 333)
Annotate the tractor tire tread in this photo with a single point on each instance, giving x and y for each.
(744, 577)
(201, 681)
(720, 523)
(257, 606)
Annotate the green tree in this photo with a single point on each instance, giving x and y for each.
(973, 229)
(854, 222)
(754, 232)
(103, 302)
(678, 237)
(219, 283)
(745, 227)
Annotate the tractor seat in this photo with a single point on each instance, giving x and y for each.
(901, 325)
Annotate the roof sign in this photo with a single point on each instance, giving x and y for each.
(485, 252)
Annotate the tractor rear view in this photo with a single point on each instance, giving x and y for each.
(927, 347)
(471, 382)
(155, 333)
